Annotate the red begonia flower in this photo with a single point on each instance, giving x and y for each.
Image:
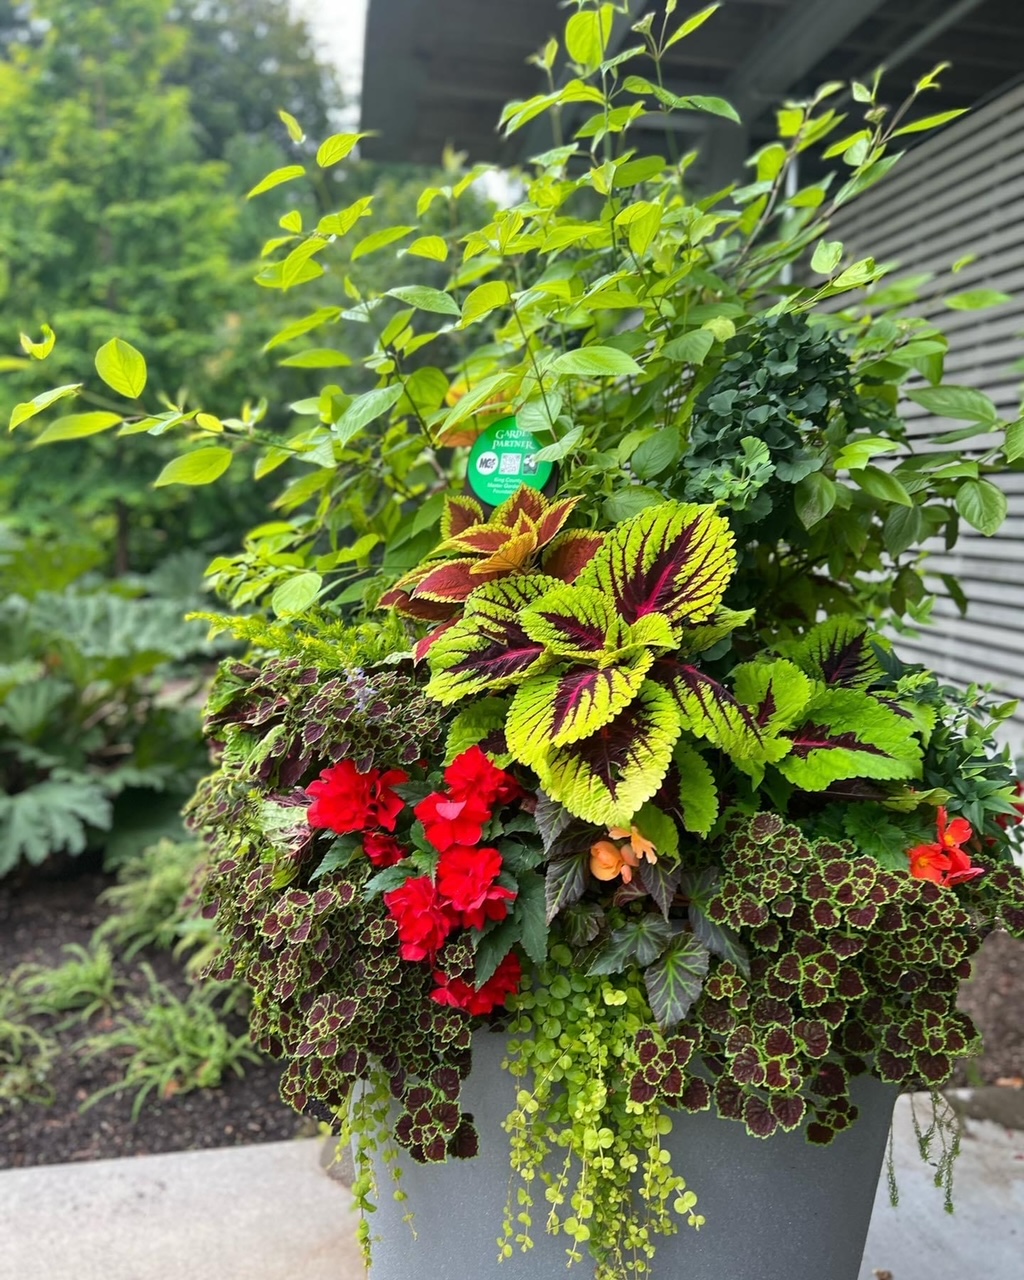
(346, 800)
(386, 804)
(952, 834)
(485, 999)
(928, 862)
(382, 850)
(960, 868)
(472, 774)
(447, 821)
(341, 798)
(466, 878)
(423, 923)
(944, 862)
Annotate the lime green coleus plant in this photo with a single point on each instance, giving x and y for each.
(611, 680)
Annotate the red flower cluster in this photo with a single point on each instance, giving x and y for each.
(382, 850)
(945, 862)
(467, 878)
(466, 894)
(485, 999)
(422, 919)
(475, 787)
(346, 800)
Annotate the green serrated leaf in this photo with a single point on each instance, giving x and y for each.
(674, 982)
(530, 910)
(698, 794)
(982, 505)
(565, 882)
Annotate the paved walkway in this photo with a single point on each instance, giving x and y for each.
(270, 1213)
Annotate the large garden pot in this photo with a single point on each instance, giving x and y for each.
(779, 1209)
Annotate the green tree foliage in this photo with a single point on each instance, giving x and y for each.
(244, 62)
(120, 203)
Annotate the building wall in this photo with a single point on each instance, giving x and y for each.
(962, 192)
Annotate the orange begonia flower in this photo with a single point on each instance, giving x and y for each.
(641, 846)
(608, 860)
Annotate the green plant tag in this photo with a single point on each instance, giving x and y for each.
(504, 458)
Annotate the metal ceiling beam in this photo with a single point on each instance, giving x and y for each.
(797, 42)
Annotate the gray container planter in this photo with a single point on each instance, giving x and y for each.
(779, 1209)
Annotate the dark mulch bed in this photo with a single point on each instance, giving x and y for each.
(35, 922)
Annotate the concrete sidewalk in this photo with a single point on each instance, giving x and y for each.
(270, 1212)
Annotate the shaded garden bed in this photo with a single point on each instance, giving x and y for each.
(35, 923)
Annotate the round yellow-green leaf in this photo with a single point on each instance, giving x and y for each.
(202, 466)
(122, 368)
(296, 594)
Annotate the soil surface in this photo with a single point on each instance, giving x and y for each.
(35, 923)
(37, 920)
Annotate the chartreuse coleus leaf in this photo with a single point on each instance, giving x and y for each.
(606, 777)
(560, 707)
(583, 623)
(488, 648)
(777, 694)
(849, 734)
(612, 659)
(659, 829)
(694, 640)
(708, 710)
(474, 724)
(675, 558)
(698, 795)
(838, 652)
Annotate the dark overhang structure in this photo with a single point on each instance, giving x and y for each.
(437, 72)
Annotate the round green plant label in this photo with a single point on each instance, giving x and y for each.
(504, 458)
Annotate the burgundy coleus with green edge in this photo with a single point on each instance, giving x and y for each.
(523, 534)
(607, 680)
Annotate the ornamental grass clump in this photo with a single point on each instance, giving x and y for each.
(583, 715)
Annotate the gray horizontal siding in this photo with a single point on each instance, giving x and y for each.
(962, 192)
